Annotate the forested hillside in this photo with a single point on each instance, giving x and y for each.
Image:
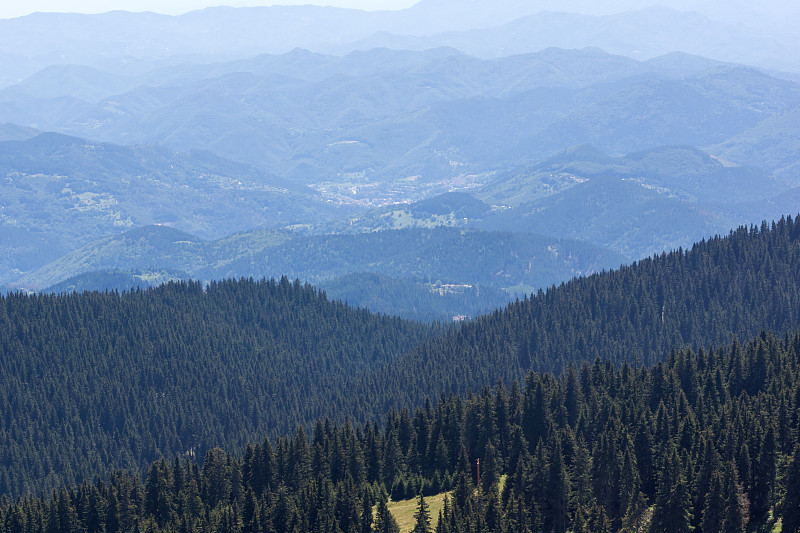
(302, 269)
(704, 440)
(158, 372)
(99, 380)
(721, 288)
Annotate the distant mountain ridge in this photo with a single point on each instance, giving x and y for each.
(518, 262)
(318, 119)
(124, 42)
(404, 298)
(640, 34)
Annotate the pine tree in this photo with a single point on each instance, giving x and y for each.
(636, 517)
(763, 478)
(493, 513)
(15, 520)
(598, 521)
(366, 512)
(63, 517)
(579, 521)
(629, 482)
(284, 512)
(442, 526)
(703, 481)
(581, 477)
(216, 477)
(158, 492)
(517, 516)
(96, 513)
(489, 467)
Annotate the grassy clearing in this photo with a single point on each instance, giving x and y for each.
(403, 511)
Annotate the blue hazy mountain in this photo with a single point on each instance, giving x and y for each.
(383, 116)
(639, 204)
(763, 34)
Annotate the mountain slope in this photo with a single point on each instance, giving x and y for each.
(639, 204)
(603, 433)
(622, 214)
(158, 372)
(771, 144)
(12, 132)
(414, 300)
(115, 280)
(738, 286)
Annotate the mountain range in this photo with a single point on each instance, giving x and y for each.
(292, 163)
(123, 42)
(385, 115)
(637, 205)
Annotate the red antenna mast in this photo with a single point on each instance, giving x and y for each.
(479, 473)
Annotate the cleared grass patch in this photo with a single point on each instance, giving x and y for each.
(403, 510)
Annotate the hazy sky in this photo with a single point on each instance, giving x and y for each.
(11, 9)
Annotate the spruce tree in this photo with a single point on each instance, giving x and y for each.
(493, 513)
(557, 489)
(672, 513)
(598, 521)
(366, 512)
(734, 513)
(384, 521)
(635, 519)
(422, 517)
(442, 525)
(714, 510)
(763, 478)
